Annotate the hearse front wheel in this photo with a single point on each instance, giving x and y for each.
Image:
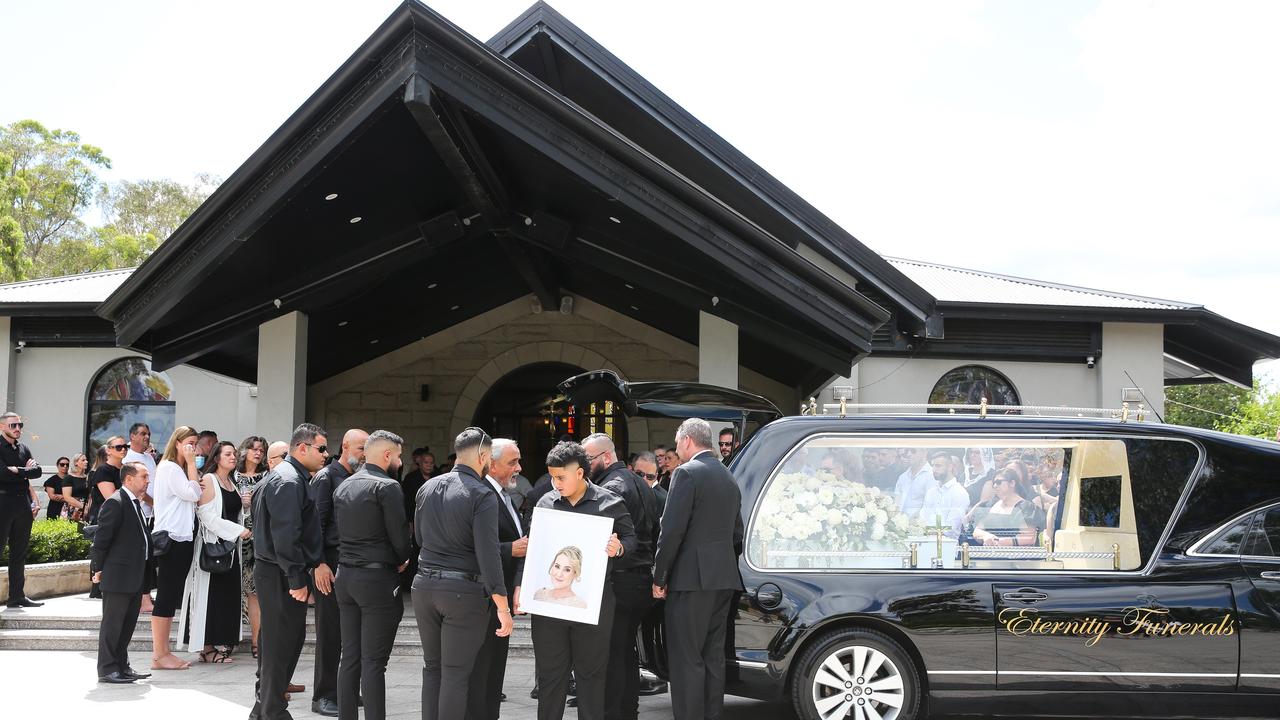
(857, 674)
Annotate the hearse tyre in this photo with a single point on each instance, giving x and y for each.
(856, 673)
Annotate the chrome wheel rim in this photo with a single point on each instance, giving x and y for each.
(858, 682)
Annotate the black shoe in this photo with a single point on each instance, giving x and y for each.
(115, 678)
(571, 702)
(131, 673)
(325, 707)
(24, 602)
(652, 687)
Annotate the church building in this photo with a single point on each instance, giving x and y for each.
(448, 227)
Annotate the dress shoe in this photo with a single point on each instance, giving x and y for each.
(325, 707)
(295, 688)
(649, 686)
(131, 673)
(115, 678)
(24, 603)
(571, 702)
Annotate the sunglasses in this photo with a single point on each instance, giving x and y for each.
(1000, 481)
(322, 449)
(728, 444)
(62, 465)
(649, 476)
(277, 457)
(17, 425)
(118, 448)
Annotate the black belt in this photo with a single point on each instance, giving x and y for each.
(448, 574)
(369, 566)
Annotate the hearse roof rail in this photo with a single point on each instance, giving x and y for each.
(843, 408)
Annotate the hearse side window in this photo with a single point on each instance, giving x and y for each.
(1228, 541)
(841, 502)
(1264, 538)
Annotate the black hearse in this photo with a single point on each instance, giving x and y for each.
(1053, 566)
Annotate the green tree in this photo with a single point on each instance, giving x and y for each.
(48, 179)
(1219, 406)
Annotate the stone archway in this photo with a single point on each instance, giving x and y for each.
(568, 353)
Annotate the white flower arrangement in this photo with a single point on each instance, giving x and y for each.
(819, 512)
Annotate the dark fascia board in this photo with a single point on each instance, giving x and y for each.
(1247, 340)
(48, 309)
(822, 234)
(409, 22)
(244, 179)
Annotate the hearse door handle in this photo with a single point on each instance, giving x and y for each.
(1271, 575)
(1024, 597)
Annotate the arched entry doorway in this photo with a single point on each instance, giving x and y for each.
(521, 405)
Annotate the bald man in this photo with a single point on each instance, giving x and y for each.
(324, 688)
(276, 453)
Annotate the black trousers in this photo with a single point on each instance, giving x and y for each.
(284, 629)
(171, 577)
(634, 597)
(15, 531)
(484, 699)
(451, 624)
(324, 682)
(695, 625)
(560, 646)
(371, 607)
(119, 618)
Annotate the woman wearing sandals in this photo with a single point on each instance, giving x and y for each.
(214, 598)
(176, 489)
(253, 465)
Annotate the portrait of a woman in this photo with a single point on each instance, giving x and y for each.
(564, 573)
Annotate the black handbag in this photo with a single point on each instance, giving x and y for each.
(160, 542)
(217, 557)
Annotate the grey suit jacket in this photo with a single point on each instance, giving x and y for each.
(701, 536)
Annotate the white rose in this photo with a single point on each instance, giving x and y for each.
(825, 496)
(900, 522)
(834, 517)
(857, 515)
(877, 531)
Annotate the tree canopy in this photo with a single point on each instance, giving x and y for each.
(49, 184)
(1220, 406)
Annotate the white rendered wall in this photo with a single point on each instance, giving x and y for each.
(52, 387)
(891, 380)
(1136, 349)
(282, 375)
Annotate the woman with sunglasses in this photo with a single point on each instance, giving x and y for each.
(75, 490)
(53, 488)
(176, 489)
(105, 480)
(249, 470)
(1008, 519)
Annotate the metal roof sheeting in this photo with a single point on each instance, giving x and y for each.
(84, 288)
(959, 285)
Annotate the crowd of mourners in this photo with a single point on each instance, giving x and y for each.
(216, 536)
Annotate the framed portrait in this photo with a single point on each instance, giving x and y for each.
(565, 565)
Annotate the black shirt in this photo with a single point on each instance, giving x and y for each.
(106, 472)
(456, 525)
(326, 481)
(413, 481)
(55, 506)
(641, 505)
(16, 456)
(286, 531)
(368, 517)
(594, 501)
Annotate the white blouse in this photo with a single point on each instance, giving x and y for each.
(175, 496)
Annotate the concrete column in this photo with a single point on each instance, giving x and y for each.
(8, 366)
(1132, 356)
(282, 375)
(717, 351)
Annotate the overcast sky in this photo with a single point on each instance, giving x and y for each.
(1129, 146)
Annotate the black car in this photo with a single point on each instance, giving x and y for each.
(995, 565)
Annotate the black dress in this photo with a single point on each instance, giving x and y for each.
(106, 472)
(222, 616)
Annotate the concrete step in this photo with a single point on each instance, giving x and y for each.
(406, 643)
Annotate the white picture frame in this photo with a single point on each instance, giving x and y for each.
(542, 588)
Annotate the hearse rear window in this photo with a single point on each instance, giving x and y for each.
(1072, 504)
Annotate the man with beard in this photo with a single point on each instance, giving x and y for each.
(632, 576)
(373, 547)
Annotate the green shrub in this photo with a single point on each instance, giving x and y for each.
(54, 541)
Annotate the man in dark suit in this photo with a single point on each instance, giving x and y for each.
(118, 561)
(490, 671)
(696, 570)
